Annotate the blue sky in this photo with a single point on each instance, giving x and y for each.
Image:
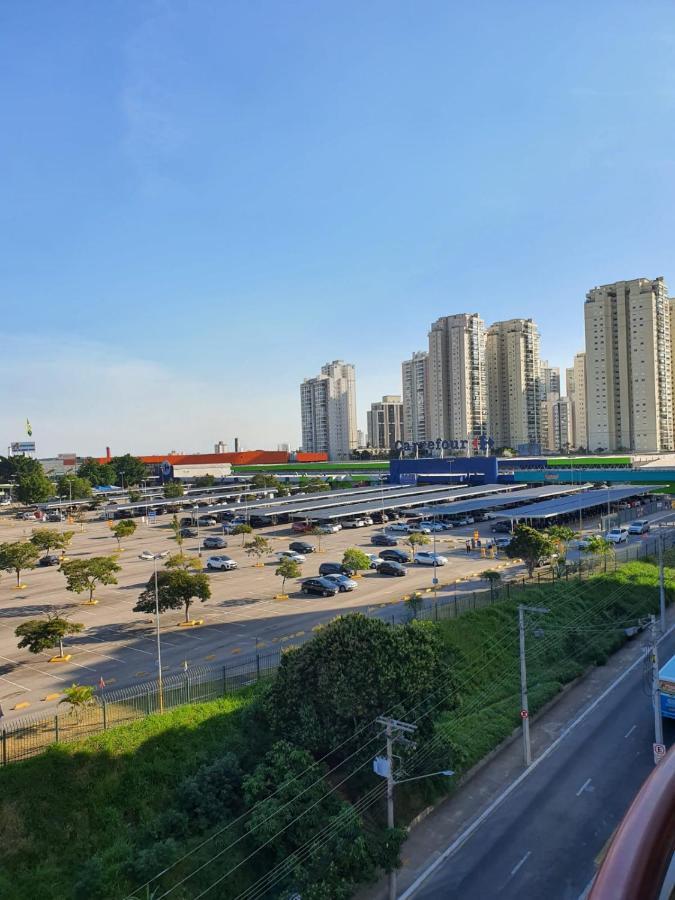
(203, 202)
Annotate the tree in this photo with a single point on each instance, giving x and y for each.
(79, 696)
(17, 466)
(414, 603)
(356, 559)
(186, 563)
(599, 546)
(176, 588)
(85, 574)
(46, 634)
(205, 481)
(97, 473)
(493, 578)
(287, 568)
(561, 535)
(243, 530)
(176, 528)
(129, 470)
(173, 489)
(530, 545)
(313, 485)
(45, 539)
(316, 532)
(322, 695)
(17, 556)
(73, 487)
(122, 529)
(417, 539)
(34, 488)
(258, 547)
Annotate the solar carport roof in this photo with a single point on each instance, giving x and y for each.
(483, 504)
(549, 509)
(414, 497)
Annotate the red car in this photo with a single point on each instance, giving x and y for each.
(302, 527)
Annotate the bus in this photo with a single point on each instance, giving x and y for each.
(667, 689)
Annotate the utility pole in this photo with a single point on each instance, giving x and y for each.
(394, 730)
(656, 693)
(662, 585)
(524, 705)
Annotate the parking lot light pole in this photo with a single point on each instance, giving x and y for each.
(524, 705)
(155, 557)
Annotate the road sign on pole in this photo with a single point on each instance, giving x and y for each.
(524, 714)
(659, 753)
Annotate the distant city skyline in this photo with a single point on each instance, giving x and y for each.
(235, 194)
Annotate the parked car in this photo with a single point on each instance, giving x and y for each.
(397, 527)
(290, 554)
(430, 559)
(383, 540)
(148, 554)
(188, 532)
(639, 526)
(302, 527)
(464, 520)
(335, 568)
(50, 559)
(55, 517)
(374, 560)
(433, 526)
(399, 556)
(617, 535)
(214, 542)
(367, 520)
(389, 567)
(502, 542)
(353, 523)
(221, 562)
(322, 586)
(343, 582)
(380, 518)
(501, 528)
(301, 547)
(330, 528)
(261, 521)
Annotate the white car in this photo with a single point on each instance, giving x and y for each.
(617, 535)
(430, 559)
(432, 526)
(374, 560)
(419, 529)
(397, 527)
(290, 554)
(330, 528)
(148, 554)
(639, 526)
(465, 520)
(353, 523)
(221, 562)
(367, 520)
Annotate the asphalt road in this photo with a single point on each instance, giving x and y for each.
(543, 841)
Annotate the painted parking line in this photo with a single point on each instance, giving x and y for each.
(15, 683)
(29, 666)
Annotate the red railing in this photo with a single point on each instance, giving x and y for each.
(642, 848)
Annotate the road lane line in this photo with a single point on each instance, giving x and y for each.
(497, 802)
(521, 863)
(28, 666)
(15, 683)
(583, 787)
(628, 733)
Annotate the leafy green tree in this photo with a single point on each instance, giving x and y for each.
(34, 487)
(561, 535)
(46, 634)
(599, 546)
(243, 530)
(205, 481)
(316, 532)
(356, 559)
(45, 539)
(492, 577)
(123, 529)
(292, 802)
(414, 603)
(79, 696)
(313, 485)
(176, 588)
(258, 547)
(417, 539)
(18, 556)
(287, 568)
(72, 486)
(320, 696)
(135, 496)
(186, 563)
(530, 545)
(129, 470)
(173, 489)
(97, 473)
(85, 574)
(18, 466)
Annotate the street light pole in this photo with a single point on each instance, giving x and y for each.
(159, 645)
(524, 704)
(656, 693)
(662, 584)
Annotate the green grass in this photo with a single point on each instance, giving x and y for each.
(309, 468)
(594, 461)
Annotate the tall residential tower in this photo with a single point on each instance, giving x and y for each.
(385, 422)
(328, 410)
(414, 377)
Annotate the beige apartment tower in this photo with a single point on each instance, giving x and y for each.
(513, 383)
(328, 411)
(385, 422)
(457, 389)
(629, 378)
(414, 379)
(576, 392)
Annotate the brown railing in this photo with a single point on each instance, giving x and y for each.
(642, 849)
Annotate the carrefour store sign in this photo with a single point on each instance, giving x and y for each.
(478, 444)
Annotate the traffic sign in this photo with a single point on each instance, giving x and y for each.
(524, 714)
(659, 752)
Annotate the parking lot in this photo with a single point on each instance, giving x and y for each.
(119, 645)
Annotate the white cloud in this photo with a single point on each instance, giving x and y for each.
(83, 396)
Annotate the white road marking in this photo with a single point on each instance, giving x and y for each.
(28, 666)
(521, 863)
(583, 787)
(628, 733)
(15, 683)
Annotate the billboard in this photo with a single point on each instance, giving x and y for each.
(23, 447)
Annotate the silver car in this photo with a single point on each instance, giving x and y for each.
(343, 582)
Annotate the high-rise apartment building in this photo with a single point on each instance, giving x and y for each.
(457, 390)
(576, 392)
(629, 379)
(414, 377)
(385, 422)
(512, 364)
(328, 411)
(556, 424)
(549, 380)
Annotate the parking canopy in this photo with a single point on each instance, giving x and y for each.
(504, 498)
(549, 509)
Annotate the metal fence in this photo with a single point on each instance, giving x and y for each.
(30, 735)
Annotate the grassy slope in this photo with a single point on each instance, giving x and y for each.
(103, 795)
